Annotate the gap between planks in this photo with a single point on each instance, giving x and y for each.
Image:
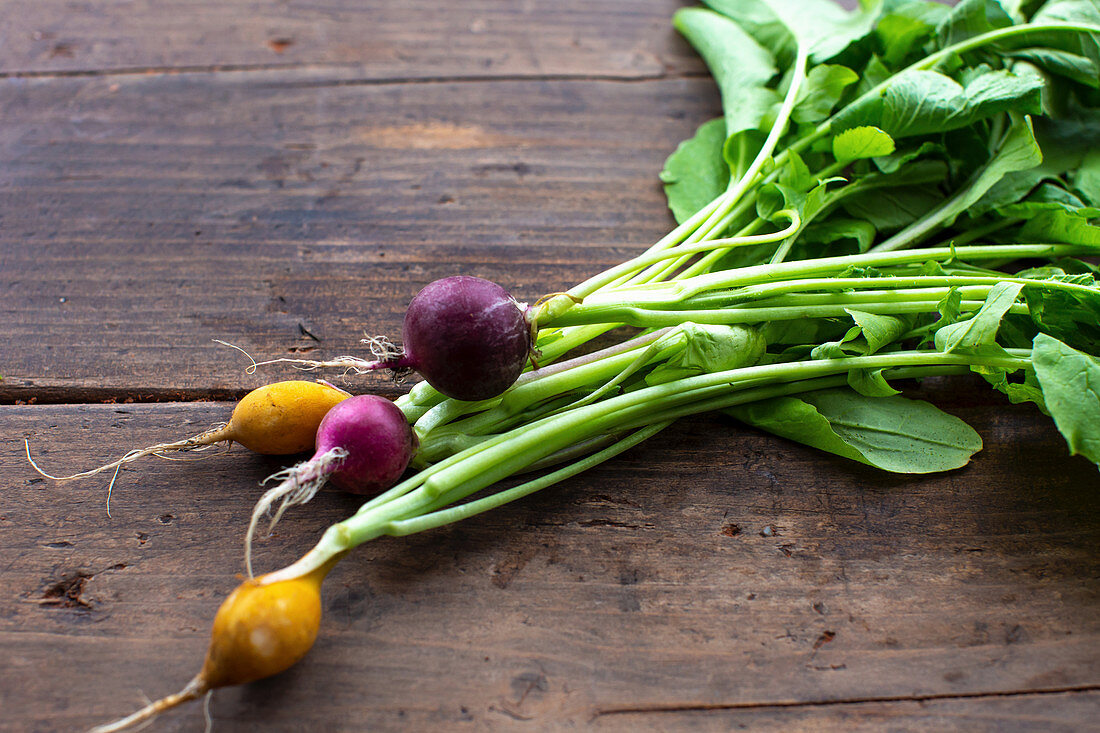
(360, 81)
(21, 395)
(718, 707)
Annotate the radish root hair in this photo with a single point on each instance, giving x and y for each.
(194, 689)
(249, 370)
(216, 434)
(381, 348)
(351, 363)
(297, 485)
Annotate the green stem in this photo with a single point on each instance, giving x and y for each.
(654, 318)
(443, 517)
(664, 295)
(756, 293)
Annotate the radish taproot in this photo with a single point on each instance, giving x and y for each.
(263, 627)
(466, 336)
(363, 445)
(277, 419)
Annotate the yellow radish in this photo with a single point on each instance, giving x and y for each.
(276, 419)
(264, 627)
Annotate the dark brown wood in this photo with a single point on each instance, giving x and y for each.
(288, 213)
(712, 578)
(376, 38)
(287, 175)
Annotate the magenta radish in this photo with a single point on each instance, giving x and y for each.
(466, 336)
(363, 446)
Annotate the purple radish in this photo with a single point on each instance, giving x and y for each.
(363, 446)
(466, 336)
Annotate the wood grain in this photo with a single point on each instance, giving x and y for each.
(712, 578)
(378, 39)
(287, 175)
(288, 212)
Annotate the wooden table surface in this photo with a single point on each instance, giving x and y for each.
(285, 176)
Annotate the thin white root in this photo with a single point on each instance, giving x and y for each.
(297, 485)
(110, 488)
(206, 711)
(249, 370)
(351, 364)
(381, 348)
(216, 434)
(194, 689)
(114, 477)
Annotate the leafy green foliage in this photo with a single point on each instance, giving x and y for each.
(870, 333)
(922, 102)
(978, 333)
(1070, 380)
(824, 86)
(862, 142)
(908, 27)
(822, 26)
(1073, 315)
(915, 121)
(741, 67)
(892, 433)
(710, 349)
(970, 18)
(696, 172)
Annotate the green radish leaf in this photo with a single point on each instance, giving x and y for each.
(796, 174)
(862, 142)
(921, 102)
(950, 309)
(907, 27)
(710, 348)
(822, 26)
(823, 88)
(870, 383)
(1018, 152)
(1060, 226)
(802, 331)
(1070, 380)
(893, 208)
(892, 433)
(896, 161)
(1073, 316)
(1068, 11)
(1045, 198)
(874, 73)
(871, 332)
(797, 189)
(879, 330)
(844, 346)
(971, 18)
(835, 229)
(740, 66)
(1018, 392)
(1087, 178)
(980, 331)
(1080, 69)
(696, 173)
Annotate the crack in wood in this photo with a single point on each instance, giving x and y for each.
(30, 395)
(716, 707)
(365, 81)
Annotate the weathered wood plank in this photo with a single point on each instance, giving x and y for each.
(648, 584)
(380, 39)
(145, 216)
(1060, 712)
